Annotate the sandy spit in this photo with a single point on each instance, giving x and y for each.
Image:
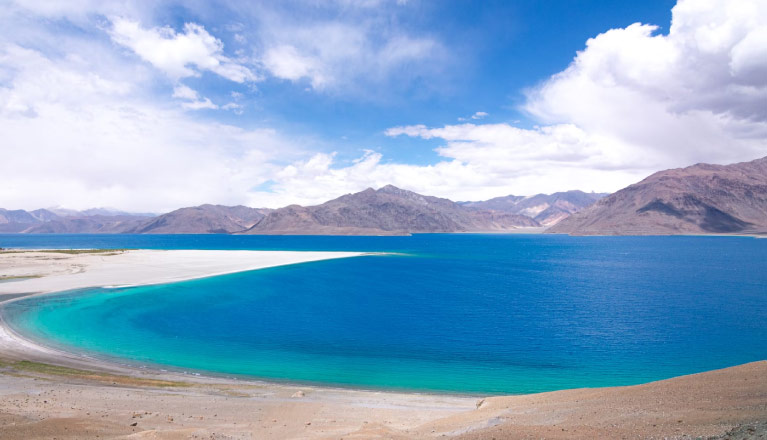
(51, 271)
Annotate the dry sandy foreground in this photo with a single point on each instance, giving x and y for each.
(48, 394)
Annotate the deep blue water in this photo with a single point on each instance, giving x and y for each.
(464, 312)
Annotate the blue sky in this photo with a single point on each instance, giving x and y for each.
(498, 49)
(153, 106)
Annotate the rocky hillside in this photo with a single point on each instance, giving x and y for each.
(546, 209)
(18, 220)
(204, 219)
(387, 211)
(701, 199)
(92, 224)
(51, 221)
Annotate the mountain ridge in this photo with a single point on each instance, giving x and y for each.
(386, 211)
(546, 209)
(699, 199)
(203, 219)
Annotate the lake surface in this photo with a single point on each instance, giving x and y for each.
(451, 312)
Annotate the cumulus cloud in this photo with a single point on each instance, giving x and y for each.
(497, 159)
(464, 174)
(698, 93)
(179, 54)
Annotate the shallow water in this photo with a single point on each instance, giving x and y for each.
(458, 313)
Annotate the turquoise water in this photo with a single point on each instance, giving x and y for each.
(456, 313)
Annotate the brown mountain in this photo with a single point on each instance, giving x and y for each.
(503, 204)
(546, 209)
(701, 199)
(387, 211)
(74, 222)
(204, 219)
(91, 224)
(17, 220)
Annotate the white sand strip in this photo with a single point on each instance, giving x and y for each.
(58, 272)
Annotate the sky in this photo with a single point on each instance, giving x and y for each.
(149, 106)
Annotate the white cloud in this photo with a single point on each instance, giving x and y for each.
(498, 159)
(344, 55)
(193, 100)
(75, 138)
(475, 116)
(285, 62)
(476, 175)
(200, 104)
(696, 94)
(346, 47)
(179, 55)
(235, 107)
(183, 92)
(502, 147)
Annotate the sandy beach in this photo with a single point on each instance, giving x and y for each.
(51, 271)
(45, 393)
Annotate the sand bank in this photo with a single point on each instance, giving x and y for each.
(52, 271)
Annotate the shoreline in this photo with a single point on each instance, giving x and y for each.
(45, 392)
(25, 347)
(138, 267)
(19, 345)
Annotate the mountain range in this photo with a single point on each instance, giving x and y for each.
(386, 211)
(700, 199)
(99, 220)
(546, 209)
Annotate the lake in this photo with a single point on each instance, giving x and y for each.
(460, 313)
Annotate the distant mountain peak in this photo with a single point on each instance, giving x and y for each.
(391, 189)
(547, 209)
